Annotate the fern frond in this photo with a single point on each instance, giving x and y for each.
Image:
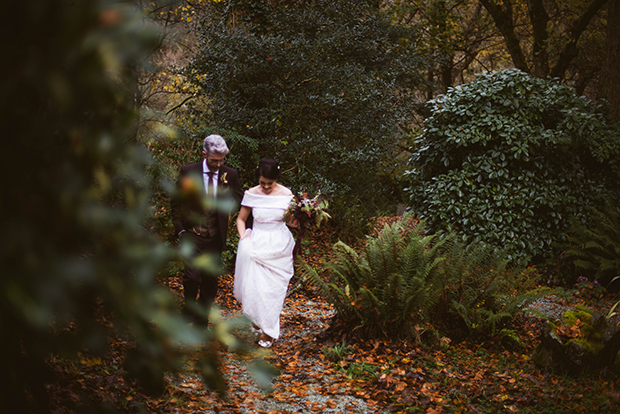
(416, 298)
(494, 320)
(345, 305)
(396, 292)
(595, 245)
(383, 253)
(311, 277)
(371, 308)
(404, 276)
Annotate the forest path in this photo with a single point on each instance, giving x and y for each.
(307, 381)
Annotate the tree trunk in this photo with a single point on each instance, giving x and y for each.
(539, 19)
(446, 73)
(447, 66)
(570, 51)
(610, 77)
(504, 22)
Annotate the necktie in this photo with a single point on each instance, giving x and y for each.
(210, 188)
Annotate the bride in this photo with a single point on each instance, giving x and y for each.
(264, 262)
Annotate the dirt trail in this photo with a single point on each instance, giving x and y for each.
(307, 382)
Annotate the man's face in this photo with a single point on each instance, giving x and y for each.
(214, 161)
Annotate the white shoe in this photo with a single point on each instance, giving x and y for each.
(264, 343)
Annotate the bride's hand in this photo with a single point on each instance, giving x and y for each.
(247, 233)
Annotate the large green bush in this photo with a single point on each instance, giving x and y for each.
(321, 85)
(510, 159)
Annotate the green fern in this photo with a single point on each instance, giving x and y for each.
(405, 278)
(594, 247)
(381, 289)
(484, 290)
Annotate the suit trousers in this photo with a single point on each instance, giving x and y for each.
(199, 285)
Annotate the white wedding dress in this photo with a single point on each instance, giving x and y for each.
(264, 263)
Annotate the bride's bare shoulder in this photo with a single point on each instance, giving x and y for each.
(285, 191)
(254, 190)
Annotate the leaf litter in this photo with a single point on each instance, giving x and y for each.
(331, 371)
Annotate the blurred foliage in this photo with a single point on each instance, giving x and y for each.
(76, 196)
(510, 159)
(406, 281)
(323, 86)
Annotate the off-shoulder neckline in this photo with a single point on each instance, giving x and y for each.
(269, 195)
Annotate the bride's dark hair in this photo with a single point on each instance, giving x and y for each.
(268, 168)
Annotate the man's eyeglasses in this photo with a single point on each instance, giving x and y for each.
(214, 161)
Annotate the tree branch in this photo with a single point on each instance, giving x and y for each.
(570, 50)
(179, 105)
(503, 21)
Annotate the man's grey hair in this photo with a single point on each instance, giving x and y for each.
(215, 144)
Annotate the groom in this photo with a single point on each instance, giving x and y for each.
(207, 192)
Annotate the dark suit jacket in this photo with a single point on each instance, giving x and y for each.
(187, 209)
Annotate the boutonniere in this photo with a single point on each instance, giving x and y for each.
(223, 178)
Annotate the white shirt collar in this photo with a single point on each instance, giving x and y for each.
(205, 168)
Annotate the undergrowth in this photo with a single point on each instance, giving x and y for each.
(406, 281)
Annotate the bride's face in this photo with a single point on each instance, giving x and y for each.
(266, 184)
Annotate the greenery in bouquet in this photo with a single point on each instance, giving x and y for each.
(304, 210)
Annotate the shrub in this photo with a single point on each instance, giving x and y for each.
(352, 218)
(509, 159)
(477, 289)
(405, 278)
(323, 86)
(593, 247)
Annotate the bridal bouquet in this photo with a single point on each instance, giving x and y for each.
(304, 211)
